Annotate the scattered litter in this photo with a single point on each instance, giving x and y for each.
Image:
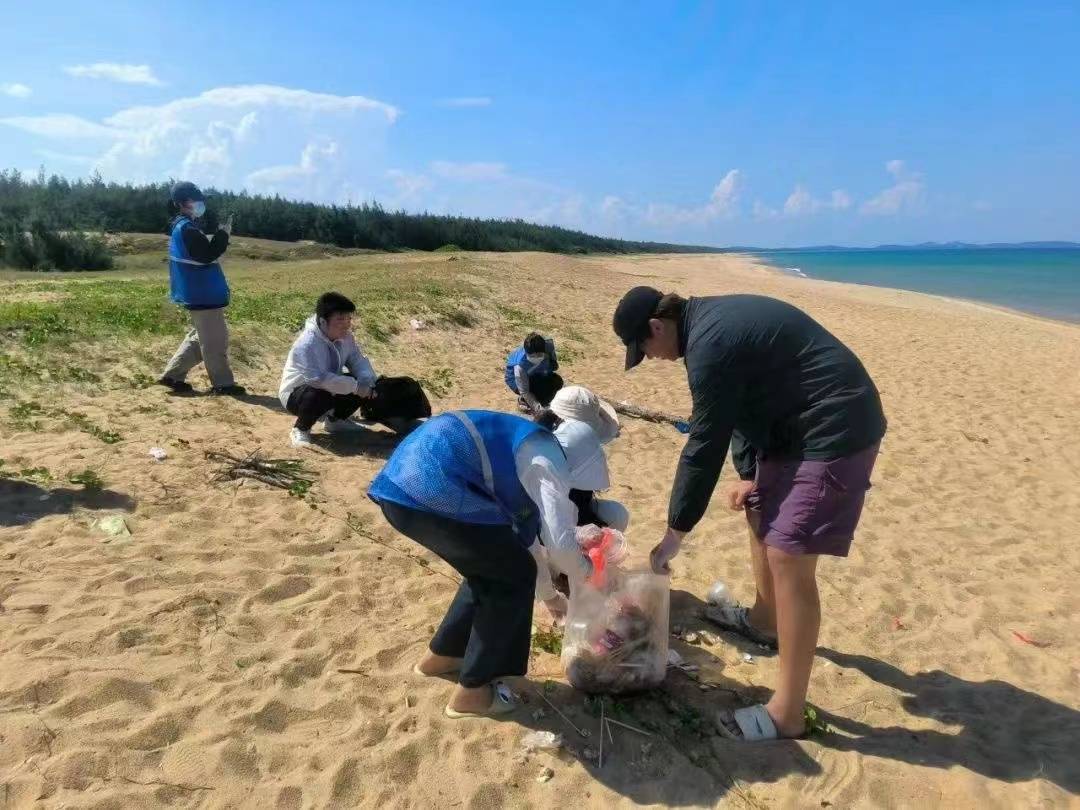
(541, 741)
(539, 714)
(709, 638)
(971, 437)
(545, 775)
(692, 638)
(897, 624)
(417, 324)
(45, 497)
(584, 732)
(748, 658)
(627, 726)
(589, 753)
(674, 659)
(719, 595)
(112, 526)
(158, 454)
(1029, 640)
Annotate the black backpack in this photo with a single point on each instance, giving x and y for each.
(396, 396)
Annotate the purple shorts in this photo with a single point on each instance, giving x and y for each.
(810, 507)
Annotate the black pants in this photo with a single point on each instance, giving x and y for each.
(489, 622)
(309, 404)
(545, 386)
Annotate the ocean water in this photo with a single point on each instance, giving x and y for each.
(1038, 280)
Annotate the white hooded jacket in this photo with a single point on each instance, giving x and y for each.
(317, 361)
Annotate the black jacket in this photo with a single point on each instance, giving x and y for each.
(768, 380)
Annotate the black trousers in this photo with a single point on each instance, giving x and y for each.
(309, 404)
(489, 622)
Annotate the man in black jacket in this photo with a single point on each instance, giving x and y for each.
(803, 421)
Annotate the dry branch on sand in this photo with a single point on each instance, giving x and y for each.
(283, 473)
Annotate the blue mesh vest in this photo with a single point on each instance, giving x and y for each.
(460, 465)
(193, 284)
(517, 358)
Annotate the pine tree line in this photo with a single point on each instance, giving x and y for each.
(92, 204)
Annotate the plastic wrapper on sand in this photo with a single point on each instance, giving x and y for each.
(617, 634)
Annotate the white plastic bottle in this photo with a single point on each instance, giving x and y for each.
(719, 595)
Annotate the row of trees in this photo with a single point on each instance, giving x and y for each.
(95, 205)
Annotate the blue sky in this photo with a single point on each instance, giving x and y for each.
(714, 123)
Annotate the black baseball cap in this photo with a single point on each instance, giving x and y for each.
(184, 191)
(631, 321)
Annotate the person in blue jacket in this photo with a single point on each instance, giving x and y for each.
(483, 490)
(197, 284)
(530, 373)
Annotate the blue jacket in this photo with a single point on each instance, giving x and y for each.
(518, 358)
(460, 465)
(194, 285)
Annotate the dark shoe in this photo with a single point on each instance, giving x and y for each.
(178, 386)
(228, 390)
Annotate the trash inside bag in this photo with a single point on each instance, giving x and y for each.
(603, 547)
(617, 633)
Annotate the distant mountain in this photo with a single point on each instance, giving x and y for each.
(921, 246)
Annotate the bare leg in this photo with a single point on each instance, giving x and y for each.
(798, 614)
(471, 699)
(763, 613)
(432, 664)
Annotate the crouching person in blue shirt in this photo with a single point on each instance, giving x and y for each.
(198, 284)
(478, 488)
(530, 373)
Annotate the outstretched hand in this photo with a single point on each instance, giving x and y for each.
(738, 494)
(665, 551)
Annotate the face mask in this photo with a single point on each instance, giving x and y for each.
(198, 209)
(536, 359)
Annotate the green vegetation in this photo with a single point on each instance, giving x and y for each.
(95, 205)
(43, 248)
(549, 641)
(37, 475)
(89, 479)
(25, 416)
(439, 382)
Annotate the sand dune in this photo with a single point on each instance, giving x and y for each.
(245, 648)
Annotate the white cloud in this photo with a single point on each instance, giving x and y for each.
(113, 72)
(61, 126)
(802, 203)
(313, 158)
(409, 186)
(466, 101)
(612, 207)
(761, 211)
(905, 194)
(65, 157)
(15, 90)
(230, 136)
(723, 202)
(469, 172)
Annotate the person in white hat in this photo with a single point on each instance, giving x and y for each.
(577, 404)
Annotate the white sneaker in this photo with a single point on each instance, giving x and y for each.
(301, 438)
(342, 426)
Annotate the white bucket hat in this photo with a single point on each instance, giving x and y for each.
(577, 403)
(584, 456)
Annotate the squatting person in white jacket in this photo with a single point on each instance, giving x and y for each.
(326, 377)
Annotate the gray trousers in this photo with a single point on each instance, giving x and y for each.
(207, 342)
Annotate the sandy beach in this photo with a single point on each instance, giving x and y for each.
(246, 648)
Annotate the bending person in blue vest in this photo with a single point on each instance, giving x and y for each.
(530, 373)
(198, 285)
(478, 488)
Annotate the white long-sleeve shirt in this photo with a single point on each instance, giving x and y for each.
(317, 361)
(543, 473)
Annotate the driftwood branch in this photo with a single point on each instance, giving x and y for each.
(284, 473)
(648, 414)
